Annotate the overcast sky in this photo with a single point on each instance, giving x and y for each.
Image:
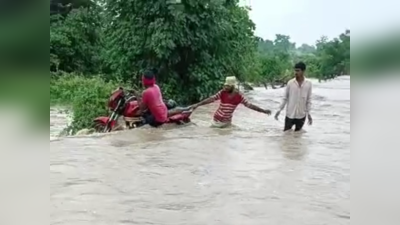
(307, 20)
(304, 21)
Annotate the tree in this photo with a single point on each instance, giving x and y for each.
(328, 58)
(282, 44)
(334, 55)
(275, 58)
(306, 49)
(75, 41)
(194, 44)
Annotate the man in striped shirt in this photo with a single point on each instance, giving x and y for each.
(229, 98)
(297, 98)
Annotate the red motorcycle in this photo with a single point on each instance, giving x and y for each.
(127, 105)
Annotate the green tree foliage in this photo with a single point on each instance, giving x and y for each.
(306, 49)
(327, 59)
(194, 44)
(87, 97)
(334, 56)
(275, 57)
(75, 41)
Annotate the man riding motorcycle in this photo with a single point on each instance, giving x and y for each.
(152, 106)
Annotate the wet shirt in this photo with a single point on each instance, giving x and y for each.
(153, 99)
(228, 104)
(297, 99)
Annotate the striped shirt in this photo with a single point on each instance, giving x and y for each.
(228, 104)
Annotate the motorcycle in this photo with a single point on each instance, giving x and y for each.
(125, 103)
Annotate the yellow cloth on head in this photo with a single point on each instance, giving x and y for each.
(231, 81)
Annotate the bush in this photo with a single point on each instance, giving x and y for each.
(86, 95)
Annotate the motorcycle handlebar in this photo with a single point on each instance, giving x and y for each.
(131, 98)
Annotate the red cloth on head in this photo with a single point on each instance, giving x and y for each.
(148, 82)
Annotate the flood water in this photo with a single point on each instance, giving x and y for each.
(251, 174)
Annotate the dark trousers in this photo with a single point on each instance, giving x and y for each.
(298, 123)
(151, 120)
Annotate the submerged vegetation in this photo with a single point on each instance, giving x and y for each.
(82, 94)
(193, 44)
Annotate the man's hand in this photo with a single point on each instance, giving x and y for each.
(134, 92)
(267, 111)
(310, 120)
(277, 115)
(193, 107)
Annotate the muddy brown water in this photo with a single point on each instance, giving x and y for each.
(251, 174)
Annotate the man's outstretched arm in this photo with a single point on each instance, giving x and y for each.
(249, 105)
(208, 100)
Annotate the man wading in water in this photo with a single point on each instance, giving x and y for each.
(230, 98)
(297, 97)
